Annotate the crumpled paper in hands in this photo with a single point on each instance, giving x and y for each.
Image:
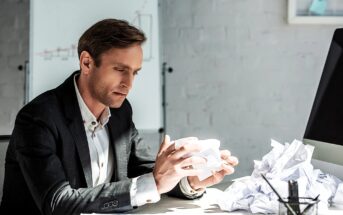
(209, 151)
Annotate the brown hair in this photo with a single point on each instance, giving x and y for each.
(107, 34)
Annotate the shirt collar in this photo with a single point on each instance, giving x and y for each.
(88, 117)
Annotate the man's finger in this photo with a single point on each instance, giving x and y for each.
(192, 161)
(170, 149)
(225, 154)
(165, 144)
(218, 177)
(232, 160)
(186, 150)
(227, 169)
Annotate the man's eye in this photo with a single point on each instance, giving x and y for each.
(119, 69)
(135, 73)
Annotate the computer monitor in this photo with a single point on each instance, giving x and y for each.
(325, 125)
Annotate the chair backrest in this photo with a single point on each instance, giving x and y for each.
(3, 149)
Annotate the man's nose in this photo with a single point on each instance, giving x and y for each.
(128, 81)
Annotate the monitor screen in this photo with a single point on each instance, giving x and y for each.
(325, 125)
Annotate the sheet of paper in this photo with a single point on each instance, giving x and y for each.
(209, 151)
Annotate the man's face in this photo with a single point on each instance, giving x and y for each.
(111, 82)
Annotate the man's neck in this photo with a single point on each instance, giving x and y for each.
(94, 106)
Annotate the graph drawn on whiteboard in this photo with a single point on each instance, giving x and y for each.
(62, 53)
(141, 21)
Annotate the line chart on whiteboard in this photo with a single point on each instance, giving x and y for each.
(142, 21)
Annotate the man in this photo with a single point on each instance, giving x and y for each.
(75, 149)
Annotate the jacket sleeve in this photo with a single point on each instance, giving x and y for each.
(141, 159)
(35, 140)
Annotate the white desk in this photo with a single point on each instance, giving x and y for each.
(170, 205)
(204, 205)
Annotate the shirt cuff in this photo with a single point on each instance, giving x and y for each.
(187, 190)
(143, 190)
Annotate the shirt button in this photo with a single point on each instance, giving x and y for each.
(93, 123)
(102, 164)
(148, 200)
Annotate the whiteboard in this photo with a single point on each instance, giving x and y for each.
(55, 27)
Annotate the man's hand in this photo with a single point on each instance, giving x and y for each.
(171, 166)
(227, 168)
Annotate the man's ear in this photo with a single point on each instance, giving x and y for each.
(86, 62)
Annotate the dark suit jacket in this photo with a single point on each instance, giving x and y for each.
(48, 167)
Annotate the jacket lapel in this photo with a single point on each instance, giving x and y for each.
(71, 108)
(81, 142)
(119, 144)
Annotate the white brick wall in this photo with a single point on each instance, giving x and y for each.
(14, 50)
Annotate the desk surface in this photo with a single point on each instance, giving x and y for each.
(204, 205)
(170, 205)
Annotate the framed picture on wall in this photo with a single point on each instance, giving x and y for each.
(326, 12)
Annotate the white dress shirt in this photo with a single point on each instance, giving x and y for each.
(101, 155)
(143, 189)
